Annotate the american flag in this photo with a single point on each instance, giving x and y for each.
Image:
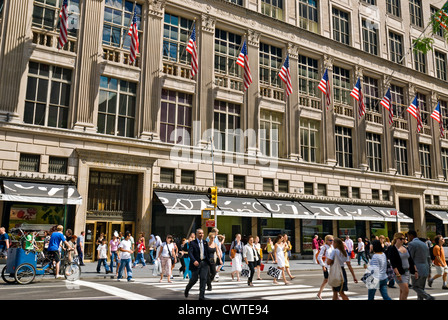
(191, 49)
(386, 104)
(414, 110)
(324, 86)
(243, 61)
(63, 26)
(357, 94)
(133, 32)
(285, 75)
(437, 115)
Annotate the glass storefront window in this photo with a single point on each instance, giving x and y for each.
(312, 227)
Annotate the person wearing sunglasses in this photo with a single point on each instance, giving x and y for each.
(401, 262)
(322, 259)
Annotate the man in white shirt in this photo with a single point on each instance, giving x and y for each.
(125, 249)
(361, 252)
(349, 244)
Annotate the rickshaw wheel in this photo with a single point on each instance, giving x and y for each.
(25, 273)
(8, 277)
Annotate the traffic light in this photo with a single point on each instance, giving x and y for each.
(213, 191)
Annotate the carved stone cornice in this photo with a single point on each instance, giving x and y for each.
(293, 50)
(208, 23)
(328, 62)
(156, 8)
(253, 38)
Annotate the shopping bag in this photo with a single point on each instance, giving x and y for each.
(261, 267)
(156, 267)
(352, 255)
(274, 272)
(335, 277)
(245, 272)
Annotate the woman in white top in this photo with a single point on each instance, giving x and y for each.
(237, 261)
(324, 253)
(379, 263)
(340, 253)
(167, 256)
(279, 256)
(250, 257)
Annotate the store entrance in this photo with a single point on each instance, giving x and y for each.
(94, 230)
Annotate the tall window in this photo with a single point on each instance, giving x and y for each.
(270, 62)
(344, 148)
(396, 47)
(425, 160)
(341, 85)
(445, 162)
(176, 32)
(401, 156)
(47, 97)
(46, 15)
(393, 7)
(423, 106)
(176, 117)
(238, 2)
(440, 31)
(419, 61)
(113, 192)
(341, 26)
(227, 126)
(370, 37)
(270, 133)
(116, 111)
(118, 15)
(227, 47)
(308, 76)
(397, 100)
(272, 8)
(374, 151)
(415, 10)
(444, 113)
(371, 94)
(440, 58)
(308, 15)
(309, 140)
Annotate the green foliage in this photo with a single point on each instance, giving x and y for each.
(423, 44)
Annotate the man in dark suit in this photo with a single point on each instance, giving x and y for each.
(199, 263)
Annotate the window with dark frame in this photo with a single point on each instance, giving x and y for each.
(309, 188)
(268, 184)
(283, 186)
(167, 175)
(425, 160)
(239, 182)
(222, 180)
(341, 26)
(396, 47)
(401, 157)
(187, 177)
(343, 191)
(57, 165)
(344, 148)
(29, 162)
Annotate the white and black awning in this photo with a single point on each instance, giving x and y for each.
(40, 193)
(442, 215)
(183, 203)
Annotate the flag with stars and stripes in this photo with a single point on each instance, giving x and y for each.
(385, 102)
(243, 61)
(324, 86)
(192, 49)
(414, 110)
(133, 32)
(357, 94)
(63, 25)
(285, 75)
(437, 115)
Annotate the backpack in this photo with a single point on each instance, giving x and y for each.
(431, 253)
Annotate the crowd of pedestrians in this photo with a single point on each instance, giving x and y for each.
(406, 261)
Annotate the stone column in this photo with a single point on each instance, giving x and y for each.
(205, 95)
(328, 123)
(89, 57)
(388, 147)
(252, 95)
(359, 138)
(16, 42)
(151, 86)
(292, 106)
(413, 146)
(436, 159)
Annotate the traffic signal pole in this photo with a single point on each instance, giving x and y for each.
(214, 181)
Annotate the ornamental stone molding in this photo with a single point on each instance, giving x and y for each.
(208, 23)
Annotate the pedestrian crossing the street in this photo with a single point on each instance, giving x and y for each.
(228, 289)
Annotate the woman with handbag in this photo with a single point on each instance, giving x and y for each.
(236, 250)
(250, 257)
(279, 257)
(168, 256)
(259, 263)
(379, 263)
(215, 258)
(338, 257)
